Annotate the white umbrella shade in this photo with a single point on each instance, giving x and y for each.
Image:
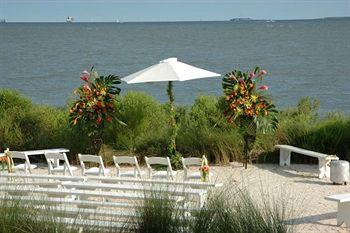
(168, 70)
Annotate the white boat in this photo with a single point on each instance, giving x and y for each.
(69, 19)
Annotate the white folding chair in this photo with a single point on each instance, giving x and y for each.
(187, 163)
(55, 158)
(94, 171)
(168, 174)
(26, 166)
(137, 173)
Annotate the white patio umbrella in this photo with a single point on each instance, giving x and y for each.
(169, 70)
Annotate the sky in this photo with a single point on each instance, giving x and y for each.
(168, 10)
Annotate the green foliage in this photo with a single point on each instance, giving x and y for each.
(146, 124)
(229, 211)
(176, 162)
(25, 126)
(15, 219)
(160, 214)
(236, 212)
(202, 129)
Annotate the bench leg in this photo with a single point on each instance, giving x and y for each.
(284, 157)
(323, 169)
(343, 213)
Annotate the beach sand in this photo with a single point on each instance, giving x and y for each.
(297, 186)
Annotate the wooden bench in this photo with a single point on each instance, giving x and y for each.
(343, 200)
(89, 201)
(323, 159)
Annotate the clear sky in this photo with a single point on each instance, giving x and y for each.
(168, 10)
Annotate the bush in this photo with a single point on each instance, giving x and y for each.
(25, 126)
(302, 127)
(203, 130)
(146, 124)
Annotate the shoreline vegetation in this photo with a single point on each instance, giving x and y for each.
(202, 129)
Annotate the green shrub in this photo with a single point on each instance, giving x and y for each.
(145, 118)
(203, 130)
(25, 126)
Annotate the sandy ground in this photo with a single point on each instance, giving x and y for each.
(297, 187)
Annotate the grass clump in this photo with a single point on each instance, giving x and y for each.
(239, 213)
(224, 212)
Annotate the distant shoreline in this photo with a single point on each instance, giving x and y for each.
(247, 20)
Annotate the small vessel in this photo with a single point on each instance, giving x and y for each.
(69, 19)
(240, 19)
(2, 20)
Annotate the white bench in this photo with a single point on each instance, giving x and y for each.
(343, 200)
(88, 201)
(323, 159)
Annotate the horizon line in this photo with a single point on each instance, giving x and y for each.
(175, 21)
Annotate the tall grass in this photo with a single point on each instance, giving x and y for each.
(239, 213)
(224, 212)
(16, 219)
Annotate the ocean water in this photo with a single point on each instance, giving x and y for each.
(303, 58)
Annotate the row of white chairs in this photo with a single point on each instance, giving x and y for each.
(54, 166)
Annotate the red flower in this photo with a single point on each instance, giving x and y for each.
(98, 120)
(262, 72)
(85, 76)
(109, 119)
(264, 88)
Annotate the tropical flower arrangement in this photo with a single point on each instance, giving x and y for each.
(7, 160)
(204, 169)
(247, 106)
(93, 108)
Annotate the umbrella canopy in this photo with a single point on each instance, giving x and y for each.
(169, 70)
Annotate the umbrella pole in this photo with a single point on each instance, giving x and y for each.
(172, 146)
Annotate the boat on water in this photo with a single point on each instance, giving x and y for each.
(240, 19)
(2, 20)
(69, 19)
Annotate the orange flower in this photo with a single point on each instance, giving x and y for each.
(205, 168)
(99, 104)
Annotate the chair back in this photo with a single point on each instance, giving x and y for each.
(22, 155)
(158, 161)
(190, 162)
(52, 157)
(92, 159)
(127, 160)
